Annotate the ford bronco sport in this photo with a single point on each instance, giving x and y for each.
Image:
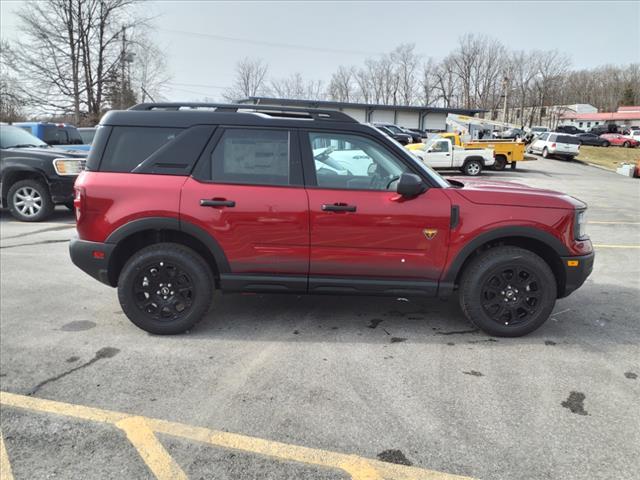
(180, 199)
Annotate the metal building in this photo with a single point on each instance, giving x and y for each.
(424, 118)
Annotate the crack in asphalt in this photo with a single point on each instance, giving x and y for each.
(457, 332)
(106, 352)
(44, 242)
(44, 230)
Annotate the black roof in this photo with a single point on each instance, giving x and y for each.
(185, 114)
(374, 106)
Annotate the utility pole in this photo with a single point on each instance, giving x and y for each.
(123, 55)
(505, 89)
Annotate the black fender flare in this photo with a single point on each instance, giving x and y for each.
(448, 279)
(169, 223)
(11, 170)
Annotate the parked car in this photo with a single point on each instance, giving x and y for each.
(592, 139)
(634, 134)
(35, 177)
(510, 134)
(570, 129)
(395, 133)
(440, 153)
(417, 131)
(539, 129)
(556, 145)
(87, 134)
(177, 202)
(620, 140)
(600, 129)
(61, 135)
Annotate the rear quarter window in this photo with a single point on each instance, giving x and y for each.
(128, 147)
(568, 139)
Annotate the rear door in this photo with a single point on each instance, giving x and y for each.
(364, 237)
(247, 193)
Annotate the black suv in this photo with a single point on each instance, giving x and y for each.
(34, 177)
(570, 129)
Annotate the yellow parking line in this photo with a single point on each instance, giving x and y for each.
(150, 449)
(5, 466)
(604, 245)
(141, 432)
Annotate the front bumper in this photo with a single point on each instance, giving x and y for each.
(92, 258)
(576, 270)
(61, 189)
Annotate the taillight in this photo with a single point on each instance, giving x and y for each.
(79, 202)
(553, 145)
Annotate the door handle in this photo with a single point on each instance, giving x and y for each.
(447, 154)
(338, 207)
(217, 202)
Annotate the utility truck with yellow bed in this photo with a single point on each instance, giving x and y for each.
(506, 151)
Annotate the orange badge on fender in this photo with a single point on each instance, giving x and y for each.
(430, 233)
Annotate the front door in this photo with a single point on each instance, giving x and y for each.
(364, 237)
(247, 194)
(439, 154)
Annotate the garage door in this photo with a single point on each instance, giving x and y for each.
(408, 119)
(435, 121)
(382, 116)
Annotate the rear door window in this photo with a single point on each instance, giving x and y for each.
(56, 136)
(130, 146)
(255, 157)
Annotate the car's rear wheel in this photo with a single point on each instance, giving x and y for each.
(626, 144)
(605, 144)
(508, 291)
(545, 153)
(29, 201)
(500, 163)
(472, 167)
(165, 288)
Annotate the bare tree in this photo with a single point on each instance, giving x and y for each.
(342, 85)
(250, 79)
(295, 86)
(406, 63)
(69, 53)
(149, 70)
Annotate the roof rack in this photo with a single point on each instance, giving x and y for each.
(272, 110)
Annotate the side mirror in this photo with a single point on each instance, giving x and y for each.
(429, 150)
(410, 185)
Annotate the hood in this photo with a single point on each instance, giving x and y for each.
(44, 152)
(488, 192)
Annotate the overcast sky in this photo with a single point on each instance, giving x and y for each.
(203, 40)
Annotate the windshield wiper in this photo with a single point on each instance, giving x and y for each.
(28, 145)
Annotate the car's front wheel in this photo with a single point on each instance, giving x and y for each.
(472, 167)
(605, 144)
(626, 144)
(165, 288)
(508, 291)
(29, 201)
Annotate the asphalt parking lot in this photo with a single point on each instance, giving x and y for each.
(323, 387)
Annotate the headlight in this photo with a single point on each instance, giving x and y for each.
(69, 166)
(580, 228)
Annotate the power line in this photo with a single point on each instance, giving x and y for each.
(196, 85)
(269, 44)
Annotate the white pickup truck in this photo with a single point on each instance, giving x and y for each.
(440, 153)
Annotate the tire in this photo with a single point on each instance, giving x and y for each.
(165, 311)
(545, 153)
(29, 201)
(626, 144)
(606, 144)
(503, 269)
(472, 167)
(500, 163)
(70, 206)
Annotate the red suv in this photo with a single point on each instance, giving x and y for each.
(180, 199)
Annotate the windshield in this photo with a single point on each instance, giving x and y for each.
(394, 129)
(14, 137)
